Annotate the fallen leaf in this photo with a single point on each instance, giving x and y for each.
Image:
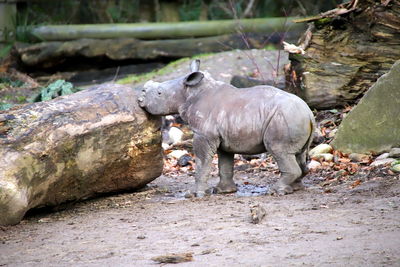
(174, 258)
(356, 183)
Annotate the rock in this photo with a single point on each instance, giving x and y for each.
(313, 164)
(322, 148)
(257, 213)
(394, 152)
(74, 147)
(176, 154)
(373, 126)
(324, 156)
(174, 136)
(184, 160)
(244, 82)
(357, 157)
(382, 162)
(383, 156)
(174, 258)
(395, 166)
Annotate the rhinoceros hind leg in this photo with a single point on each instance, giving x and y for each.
(225, 166)
(302, 161)
(290, 172)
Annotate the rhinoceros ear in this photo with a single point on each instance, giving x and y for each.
(193, 78)
(195, 65)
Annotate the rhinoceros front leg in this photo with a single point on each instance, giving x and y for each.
(204, 150)
(225, 166)
(291, 173)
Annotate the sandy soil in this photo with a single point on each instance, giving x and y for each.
(328, 224)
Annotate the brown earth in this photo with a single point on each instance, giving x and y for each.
(334, 222)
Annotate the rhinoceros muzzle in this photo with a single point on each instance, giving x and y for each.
(141, 99)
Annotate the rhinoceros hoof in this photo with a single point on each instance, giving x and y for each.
(201, 194)
(281, 190)
(297, 186)
(225, 189)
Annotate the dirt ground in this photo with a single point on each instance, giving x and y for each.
(328, 224)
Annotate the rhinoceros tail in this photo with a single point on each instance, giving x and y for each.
(311, 135)
(302, 157)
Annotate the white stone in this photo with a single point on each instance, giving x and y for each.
(394, 152)
(175, 135)
(324, 156)
(383, 156)
(382, 162)
(320, 149)
(177, 154)
(313, 164)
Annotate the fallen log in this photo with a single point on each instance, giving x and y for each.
(170, 30)
(74, 147)
(346, 51)
(49, 54)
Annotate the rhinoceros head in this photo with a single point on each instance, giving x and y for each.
(165, 98)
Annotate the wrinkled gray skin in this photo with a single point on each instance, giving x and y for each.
(227, 120)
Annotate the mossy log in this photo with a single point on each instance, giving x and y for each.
(346, 54)
(48, 54)
(74, 147)
(172, 30)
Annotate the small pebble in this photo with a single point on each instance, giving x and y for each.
(357, 157)
(383, 156)
(177, 154)
(184, 160)
(394, 152)
(382, 162)
(324, 156)
(314, 164)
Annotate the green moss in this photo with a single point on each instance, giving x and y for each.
(322, 22)
(165, 70)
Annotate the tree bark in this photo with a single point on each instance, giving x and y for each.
(346, 52)
(74, 147)
(171, 30)
(48, 54)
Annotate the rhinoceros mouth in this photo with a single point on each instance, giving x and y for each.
(140, 101)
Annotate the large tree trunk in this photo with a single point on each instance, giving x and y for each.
(49, 54)
(74, 147)
(347, 50)
(171, 30)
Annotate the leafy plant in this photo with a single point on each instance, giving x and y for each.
(55, 89)
(5, 106)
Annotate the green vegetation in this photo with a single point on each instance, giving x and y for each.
(5, 50)
(5, 106)
(8, 82)
(53, 90)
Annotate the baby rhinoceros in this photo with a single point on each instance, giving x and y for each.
(227, 120)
